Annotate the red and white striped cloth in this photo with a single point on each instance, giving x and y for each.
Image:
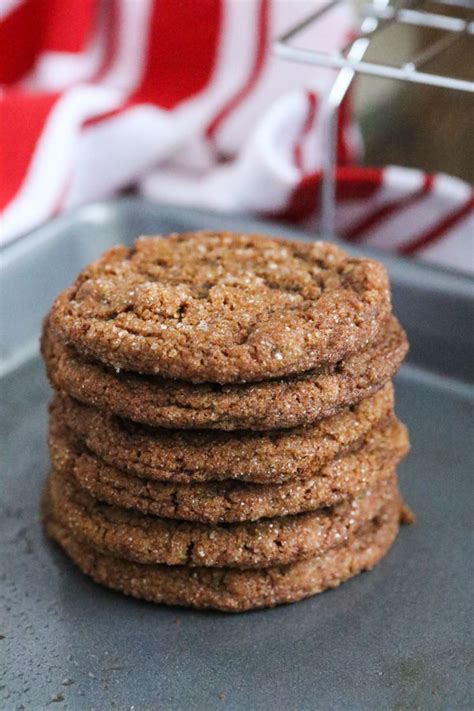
(184, 101)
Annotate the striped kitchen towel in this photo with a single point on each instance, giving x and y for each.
(184, 102)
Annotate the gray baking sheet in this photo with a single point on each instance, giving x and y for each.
(399, 637)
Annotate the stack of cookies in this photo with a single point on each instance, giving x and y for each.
(222, 433)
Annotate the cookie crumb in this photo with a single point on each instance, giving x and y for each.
(407, 517)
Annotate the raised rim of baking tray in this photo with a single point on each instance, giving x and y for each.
(397, 638)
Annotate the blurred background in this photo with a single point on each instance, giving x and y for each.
(419, 126)
(185, 103)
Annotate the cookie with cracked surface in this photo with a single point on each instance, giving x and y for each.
(149, 539)
(223, 307)
(273, 404)
(231, 589)
(210, 455)
(233, 501)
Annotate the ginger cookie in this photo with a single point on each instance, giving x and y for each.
(231, 589)
(200, 455)
(266, 542)
(268, 405)
(222, 307)
(232, 501)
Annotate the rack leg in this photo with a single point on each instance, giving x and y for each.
(330, 114)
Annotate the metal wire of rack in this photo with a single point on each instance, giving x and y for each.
(378, 15)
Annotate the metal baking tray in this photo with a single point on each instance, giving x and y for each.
(399, 637)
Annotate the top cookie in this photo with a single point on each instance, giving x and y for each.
(222, 307)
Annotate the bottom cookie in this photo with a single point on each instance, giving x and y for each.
(231, 590)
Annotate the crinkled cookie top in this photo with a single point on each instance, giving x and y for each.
(222, 307)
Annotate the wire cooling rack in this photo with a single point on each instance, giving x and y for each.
(450, 22)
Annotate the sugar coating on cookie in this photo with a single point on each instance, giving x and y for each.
(201, 455)
(231, 589)
(231, 501)
(262, 543)
(223, 432)
(266, 405)
(222, 307)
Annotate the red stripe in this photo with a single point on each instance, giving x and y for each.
(352, 182)
(360, 229)
(94, 120)
(22, 121)
(435, 233)
(69, 24)
(357, 182)
(303, 200)
(307, 125)
(113, 9)
(259, 60)
(203, 48)
(20, 39)
(182, 50)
